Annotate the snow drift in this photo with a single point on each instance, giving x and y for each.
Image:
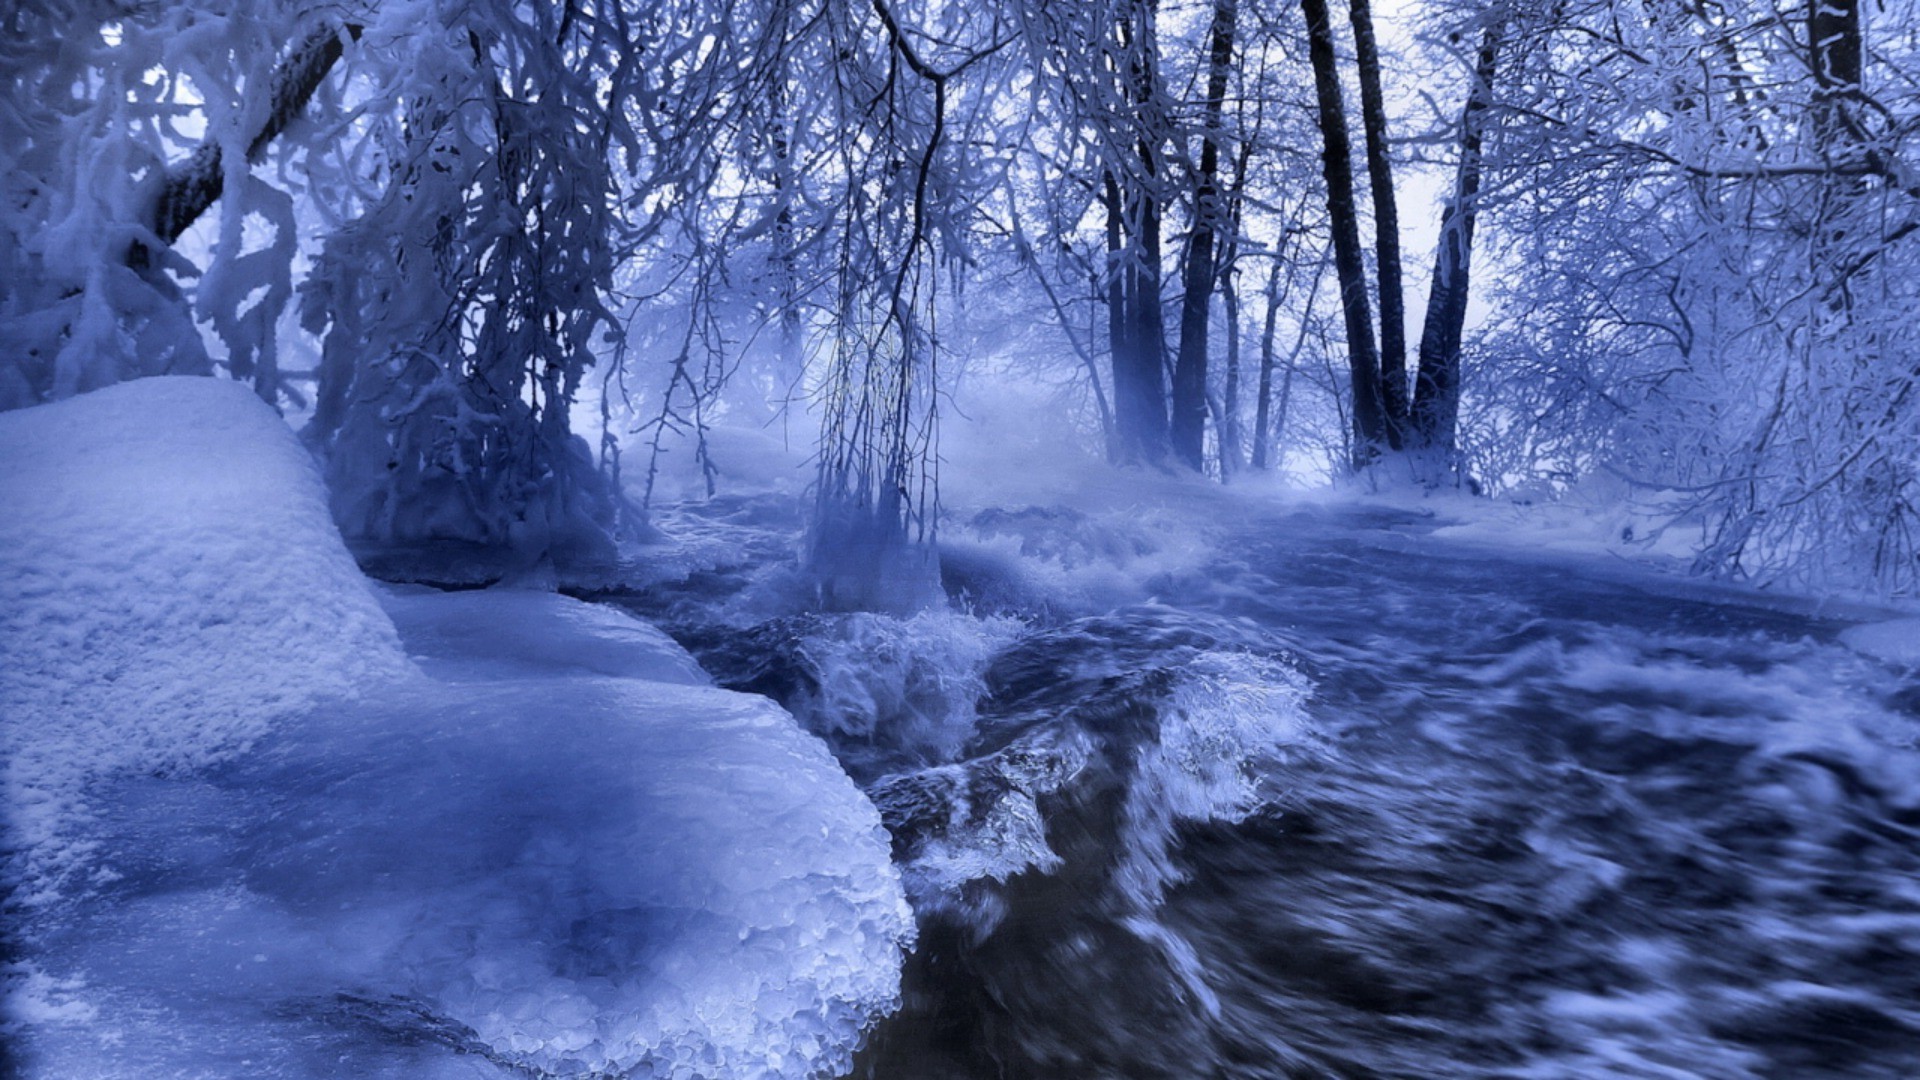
(170, 585)
(251, 838)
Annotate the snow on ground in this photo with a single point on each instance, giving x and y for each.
(548, 845)
(1897, 641)
(170, 585)
(498, 633)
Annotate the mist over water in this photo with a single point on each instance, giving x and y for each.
(1327, 795)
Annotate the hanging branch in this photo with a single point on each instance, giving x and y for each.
(198, 182)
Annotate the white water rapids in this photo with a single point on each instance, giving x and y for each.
(1337, 797)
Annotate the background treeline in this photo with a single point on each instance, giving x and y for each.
(1674, 263)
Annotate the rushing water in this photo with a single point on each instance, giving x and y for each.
(1341, 798)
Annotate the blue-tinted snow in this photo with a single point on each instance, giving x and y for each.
(496, 634)
(1896, 641)
(549, 847)
(170, 586)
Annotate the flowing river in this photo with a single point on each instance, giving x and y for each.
(1338, 797)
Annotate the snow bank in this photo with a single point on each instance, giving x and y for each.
(1897, 641)
(548, 848)
(567, 876)
(170, 585)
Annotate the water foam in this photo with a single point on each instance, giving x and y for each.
(905, 688)
(981, 821)
(1056, 558)
(1227, 713)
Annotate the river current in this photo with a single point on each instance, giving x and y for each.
(1332, 796)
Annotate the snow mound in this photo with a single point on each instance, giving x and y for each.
(170, 585)
(550, 849)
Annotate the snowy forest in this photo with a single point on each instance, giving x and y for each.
(902, 538)
(447, 236)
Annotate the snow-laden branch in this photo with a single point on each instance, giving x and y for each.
(198, 182)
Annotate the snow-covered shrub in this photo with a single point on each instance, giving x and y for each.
(462, 297)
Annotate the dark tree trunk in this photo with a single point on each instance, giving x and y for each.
(1134, 328)
(785, 258)
(1834, 39)
(1232, 430)
(1115, 206)
(1262, 407)
(1436, 399)
(1199, 277)
(1363, 363)
(196, 183)
(1136, 325)
(1834, 35)
(1229, 426)
(1386, 225)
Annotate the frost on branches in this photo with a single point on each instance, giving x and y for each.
(461, 294)
(167, 158)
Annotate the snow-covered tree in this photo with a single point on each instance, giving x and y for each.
(1717, 216)
(462, 296)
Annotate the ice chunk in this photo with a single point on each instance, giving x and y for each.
(1896, 641)
(500, 633)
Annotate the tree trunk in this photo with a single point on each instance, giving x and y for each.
(1834, 35)
(1124, 445)
(1199, 278)
(785, 257)
(1363, 362)
(1261, 408)
(1134, 328)
(1386, 225)
(1136, 324)
(1230, 459)
(1834, 38)
(1436, 400)
(196, 183)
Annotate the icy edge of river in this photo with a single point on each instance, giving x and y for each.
(264, 843)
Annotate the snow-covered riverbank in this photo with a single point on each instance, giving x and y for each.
(253, 830)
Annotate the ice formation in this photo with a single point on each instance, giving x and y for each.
(548, 847)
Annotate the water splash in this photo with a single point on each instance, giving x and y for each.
(905, 686)
(1228, 717)
(958, 824)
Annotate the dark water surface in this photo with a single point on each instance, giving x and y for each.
(1346, 799)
